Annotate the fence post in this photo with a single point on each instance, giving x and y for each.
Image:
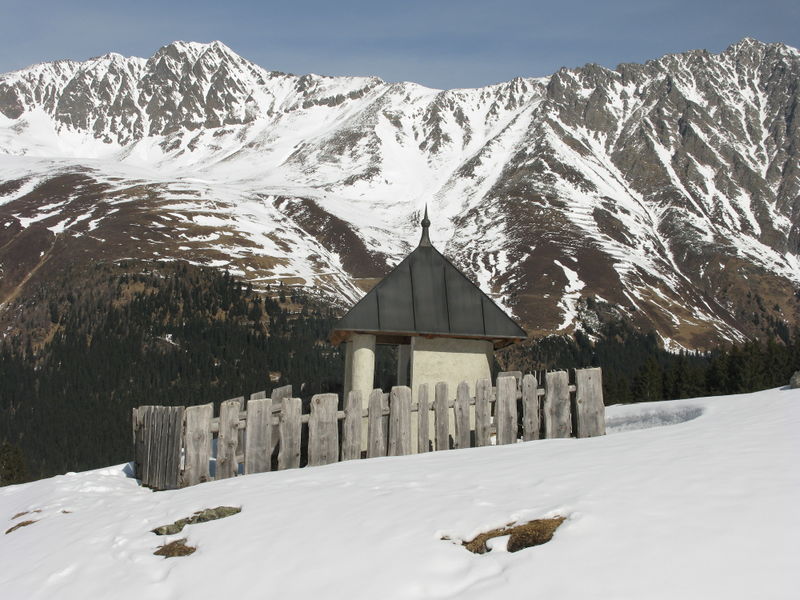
(530, 408)
(557, 419)
(323, 432)
(376, 443)
(289, 454)
(400, 421)
(506, 410)
(228, 438)
(590, 413)
(351, 426)
(461, 416)
(258, 436)
(423, 416)
(483, 412)
(197, 444)
(442, 418)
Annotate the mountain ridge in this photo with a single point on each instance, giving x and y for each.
(669, 190)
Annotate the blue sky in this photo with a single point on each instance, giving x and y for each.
(439, 43)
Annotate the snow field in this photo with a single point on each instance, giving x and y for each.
(704, 507)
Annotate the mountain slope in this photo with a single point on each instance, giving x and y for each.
(670, 189)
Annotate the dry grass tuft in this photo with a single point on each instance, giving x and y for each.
(526, 535)
(20, 524)
(176, 548)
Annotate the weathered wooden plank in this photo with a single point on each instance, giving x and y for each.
(174, 449)
(144, 454)
(258, 436)
(483, 414)
(228, 439)
(138, 442)
(197, 444)
(590, 414)
(240, 430)
(351, 426)
(423, 418)
(556, 409)
(400, 421)
(385, 419)
(159, 458)
(376, 442)
(506, 410)
(461, 416)
(323, 430)
(442, 422)
(517, 375)
(290, 428)
(530, 408)
(277, 395)
(258, 395)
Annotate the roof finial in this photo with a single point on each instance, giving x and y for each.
(425, 240)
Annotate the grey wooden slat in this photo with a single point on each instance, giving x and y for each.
(530, 408)
(385, 418)
(461, 416)
(351, 426)
(240, 431)
(258, 436)
(376, 442)
(423, 418)
(290, 427)
(589, 409)
(173, 480)
(144, 443)
(400, 421)
(506, 410)
(197, 444)
(228, 439)
(277, 395)
(515, 374)
(138, 442)
(258, 395)
(323, 430)
(442, 423)
(483, 414)
(160, 458)
(556, 409)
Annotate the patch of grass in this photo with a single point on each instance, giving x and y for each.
(175, 548)
(25, 512)
(201, 516)
(534, 533)
(20, 524)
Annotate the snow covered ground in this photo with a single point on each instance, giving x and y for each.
(684, 499)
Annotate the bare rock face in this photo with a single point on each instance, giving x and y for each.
(794, 382)
(669, 190)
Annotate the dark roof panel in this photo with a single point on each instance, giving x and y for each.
(426, 294)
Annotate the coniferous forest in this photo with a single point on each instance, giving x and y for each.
(82, 351)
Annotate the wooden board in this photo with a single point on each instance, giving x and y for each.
(530, 408)
(423, 418)
(228, 439)
(258, 436)
(461, 416)
(590, 415)
(351, 426)
(556, 407)
(289, 428)
(506, 410)
(277, 395)
(197, 444)
(483, 414)
(376, 442)
(400, 421)
(442, 422)
(323, 430)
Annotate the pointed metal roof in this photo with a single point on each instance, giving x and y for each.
(427, 295)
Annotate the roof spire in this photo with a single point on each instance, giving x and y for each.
(425, 240)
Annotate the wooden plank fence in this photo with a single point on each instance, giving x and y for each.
(174, 446)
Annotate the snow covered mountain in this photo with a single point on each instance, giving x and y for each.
(670, 190)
